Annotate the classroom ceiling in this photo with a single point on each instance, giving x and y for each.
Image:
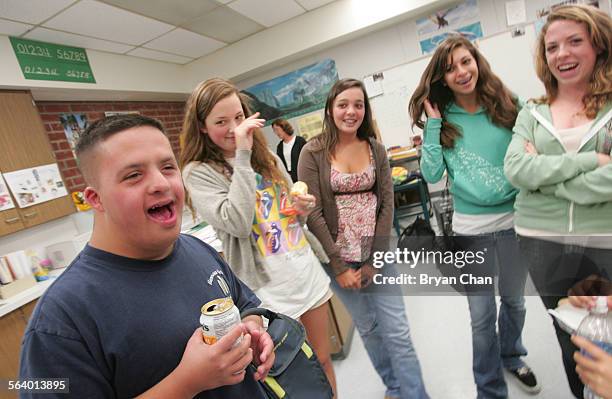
(176, 31)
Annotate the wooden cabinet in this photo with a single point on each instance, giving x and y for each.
(10, 221)
(24, 144)
(12, 327)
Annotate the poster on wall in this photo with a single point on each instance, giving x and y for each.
(463, 19)
(35, 185)
(6, 201)
(542, 13)
(294, 94)
(74, 125)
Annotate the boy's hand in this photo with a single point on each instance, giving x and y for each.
(204, 367)
(262, 348)
(243, 133)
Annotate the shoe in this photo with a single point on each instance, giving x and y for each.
(527, 379)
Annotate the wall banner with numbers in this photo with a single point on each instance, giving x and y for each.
(46, 61)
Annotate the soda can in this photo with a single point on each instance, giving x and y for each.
(218, 317)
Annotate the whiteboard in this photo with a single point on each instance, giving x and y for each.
(511, 58)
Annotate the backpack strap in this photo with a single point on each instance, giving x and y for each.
(267, 313)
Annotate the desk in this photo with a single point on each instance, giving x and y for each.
(409, 210)
(398, 162)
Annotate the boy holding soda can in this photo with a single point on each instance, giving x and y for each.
(123, 319)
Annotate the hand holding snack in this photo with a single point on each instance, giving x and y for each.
(301, 203)
(299, 188)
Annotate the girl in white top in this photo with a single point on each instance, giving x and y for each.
(240, 187)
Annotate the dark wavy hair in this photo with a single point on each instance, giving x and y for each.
(499, 102)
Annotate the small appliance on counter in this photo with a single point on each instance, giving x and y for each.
(61, 253)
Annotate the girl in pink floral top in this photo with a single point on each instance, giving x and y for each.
(356, 204)
(348, 172)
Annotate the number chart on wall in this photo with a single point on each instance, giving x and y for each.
(47, 61)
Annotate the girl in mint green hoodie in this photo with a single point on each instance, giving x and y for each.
(470, 114)
(559, 158)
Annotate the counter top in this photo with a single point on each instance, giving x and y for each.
(27, 296)
(202, 231)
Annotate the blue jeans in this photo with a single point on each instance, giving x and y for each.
(491, 352)
(383, 327)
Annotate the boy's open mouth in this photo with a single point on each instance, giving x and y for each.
(163, 211)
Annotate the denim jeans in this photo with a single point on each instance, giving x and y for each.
(492, 352)
(381, 322)
(554, 269)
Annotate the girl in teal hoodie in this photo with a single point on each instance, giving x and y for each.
(469, 117)
(559, 157)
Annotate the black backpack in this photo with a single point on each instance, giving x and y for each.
(296, 372)
(420, 236)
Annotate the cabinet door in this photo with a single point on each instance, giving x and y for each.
(22, 135)
(10, 221)
(12, 327)
(27, 310)
(24, 144)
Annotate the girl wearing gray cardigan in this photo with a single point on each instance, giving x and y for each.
(238, 186)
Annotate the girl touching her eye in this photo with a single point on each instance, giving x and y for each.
(238, 186)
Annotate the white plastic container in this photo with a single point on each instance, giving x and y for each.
(61, 253)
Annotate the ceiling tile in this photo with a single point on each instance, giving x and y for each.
(11, 28)
(175, 12)
(267, 12)
(224, 24)
(53, 36)
(183, 42)
(312, 4)
(33, 11)
(92, 18)
(159, 56)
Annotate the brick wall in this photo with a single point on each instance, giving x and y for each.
(169, 113)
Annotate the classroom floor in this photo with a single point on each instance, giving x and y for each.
(441, 333)
(440, 328)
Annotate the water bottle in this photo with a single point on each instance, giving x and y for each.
(597, 327)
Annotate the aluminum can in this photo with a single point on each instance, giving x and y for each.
(218, 317)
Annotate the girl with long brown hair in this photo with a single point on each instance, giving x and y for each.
(559, 158)
(237, 185)
(467, 114)
(348, 172)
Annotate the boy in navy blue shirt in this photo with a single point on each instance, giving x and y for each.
(123, 319)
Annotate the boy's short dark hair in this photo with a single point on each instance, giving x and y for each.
(103, 128)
